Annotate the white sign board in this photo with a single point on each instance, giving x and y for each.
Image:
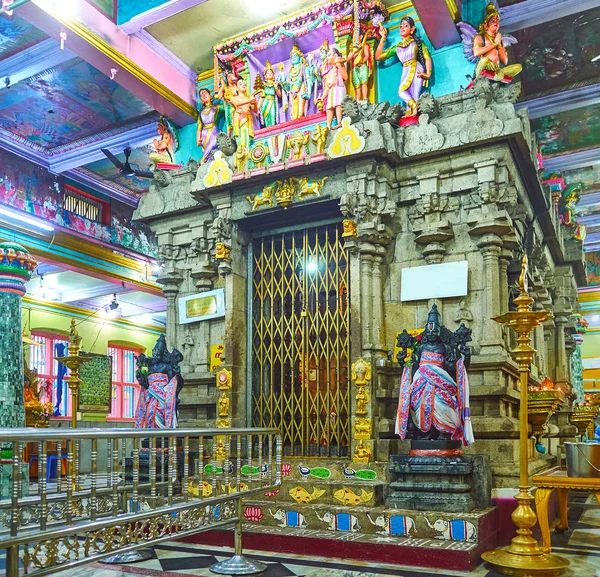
(434, 281)
(202, 306)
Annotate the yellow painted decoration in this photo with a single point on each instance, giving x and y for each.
(219, 172)
(222, 251)
(349, 497)
(194, 489)
(301, 495)
(349, 227)
(346, 141)
(362, 429)
(362, 453)
(233, 487)
(413, 333)
(216, 352)
(224, 378)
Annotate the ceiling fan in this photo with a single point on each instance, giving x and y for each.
(126, 169)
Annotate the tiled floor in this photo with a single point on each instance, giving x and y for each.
(581, 545)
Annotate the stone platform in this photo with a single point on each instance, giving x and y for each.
(383, 547)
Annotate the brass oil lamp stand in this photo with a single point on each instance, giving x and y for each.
(73, 362)
(523, 557)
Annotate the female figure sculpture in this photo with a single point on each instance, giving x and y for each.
(434, 389)
(361, 60)
(243, 116)
(268, 94)
(415, 59)
(294, 84)
(206, 135)
(334, 85)
(487, 47)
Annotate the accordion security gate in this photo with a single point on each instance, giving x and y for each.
(300, 340)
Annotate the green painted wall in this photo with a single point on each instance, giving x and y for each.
(95, 334)
(591, 345)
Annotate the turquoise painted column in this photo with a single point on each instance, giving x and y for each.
(16, 267)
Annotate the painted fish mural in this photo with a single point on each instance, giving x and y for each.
(301, 495)
(349, 497)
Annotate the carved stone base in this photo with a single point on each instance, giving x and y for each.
(451, 484)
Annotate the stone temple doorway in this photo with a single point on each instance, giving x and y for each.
(300, 341)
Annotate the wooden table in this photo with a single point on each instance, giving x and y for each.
(557, 479)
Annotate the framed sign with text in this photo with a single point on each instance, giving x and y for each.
(202, 306)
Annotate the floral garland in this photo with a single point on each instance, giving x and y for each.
(295, 27)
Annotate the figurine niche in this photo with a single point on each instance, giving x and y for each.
(434, 389)
(487, 47)
(161, 380)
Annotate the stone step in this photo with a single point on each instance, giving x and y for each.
(300, 468)
(335, 492)
(369, 520)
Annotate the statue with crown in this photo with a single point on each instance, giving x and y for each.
(434, 388)
(486, 47)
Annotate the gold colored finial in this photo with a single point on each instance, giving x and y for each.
(523, 277)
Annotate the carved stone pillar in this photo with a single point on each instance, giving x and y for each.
(490, 246)
(366, 296)
(561, 375)
(171, 279)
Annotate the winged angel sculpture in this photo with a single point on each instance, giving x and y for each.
(487, 47)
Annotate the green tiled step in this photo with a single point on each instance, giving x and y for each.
(369, 520)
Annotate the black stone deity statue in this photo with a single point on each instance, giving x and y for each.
(434, 390)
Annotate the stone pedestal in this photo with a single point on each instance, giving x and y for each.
(449, 484)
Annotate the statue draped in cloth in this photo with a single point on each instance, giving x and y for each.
(434, 390)
(161, 381)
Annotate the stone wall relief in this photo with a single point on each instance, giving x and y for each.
(285, 192)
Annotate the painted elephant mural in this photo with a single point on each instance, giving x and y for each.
(289, 518)
(340, 522)
(394, 525)
(454, 530)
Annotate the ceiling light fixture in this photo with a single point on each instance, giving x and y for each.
(26, 219)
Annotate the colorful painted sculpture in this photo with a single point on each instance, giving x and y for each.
(434, 389)
(226, 92)
(567, 209)
(487, 47)
(206, 136)
(165, 145)
(361, 61)
(416, 63)
(160, 379)
(294, 84)
(268, 90)
(243, 115)
(334, 86)
(311, 79)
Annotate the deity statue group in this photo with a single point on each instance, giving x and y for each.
(317, 81)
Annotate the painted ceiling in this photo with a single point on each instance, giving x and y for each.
(66, 103)
(559, 53)
(569, 131)
(138, 160)
(16, 35)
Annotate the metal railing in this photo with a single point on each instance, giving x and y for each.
(124, 489)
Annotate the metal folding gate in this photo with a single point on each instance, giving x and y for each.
(300, 340)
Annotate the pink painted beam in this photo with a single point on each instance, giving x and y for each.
(140, 53)
(437, 21)
(157, 14)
